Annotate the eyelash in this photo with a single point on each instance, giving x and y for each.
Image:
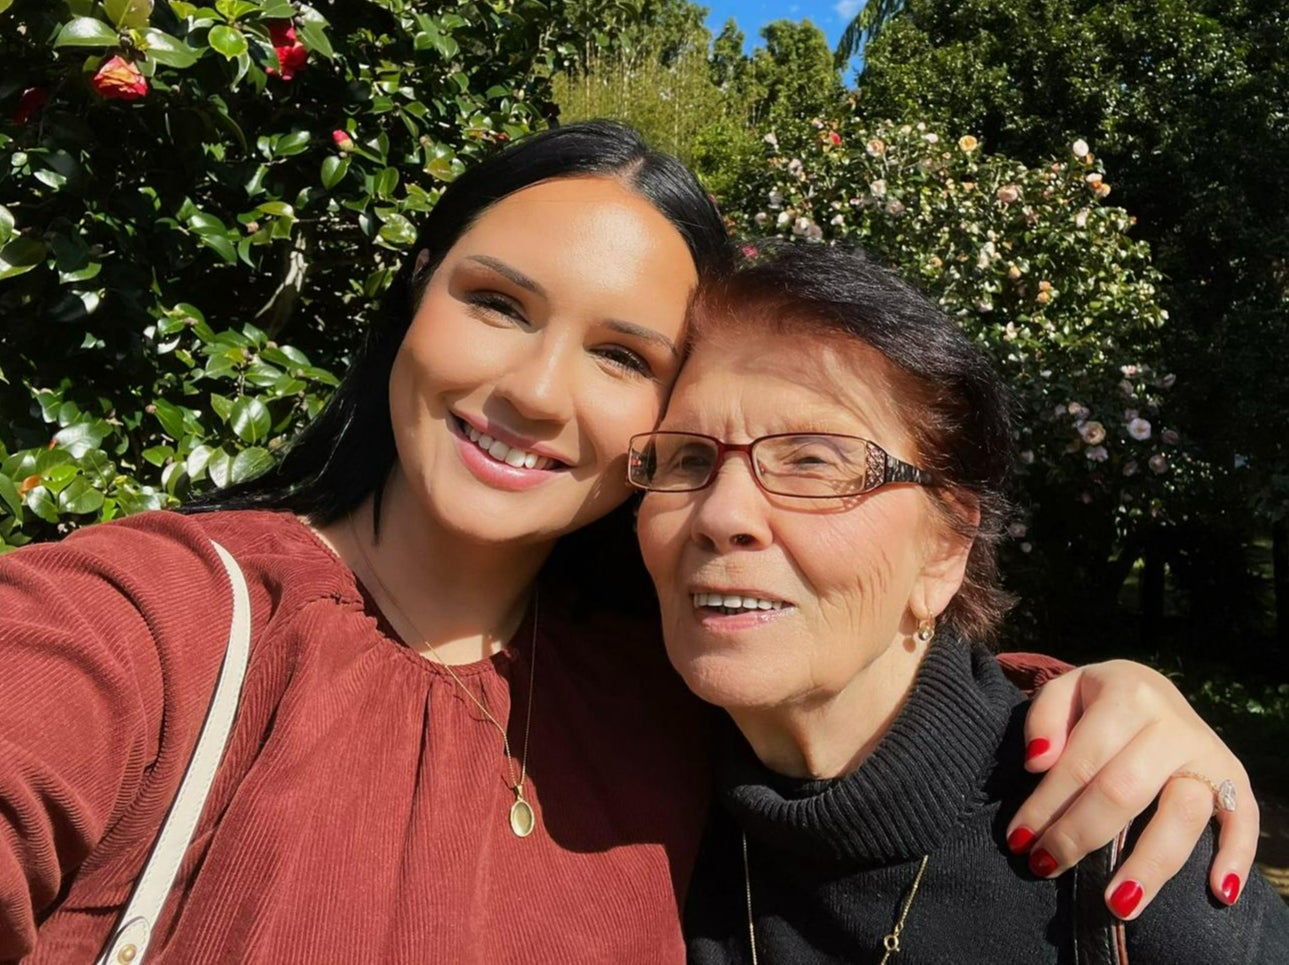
(494, 302)
(626, 360)
(620, 358)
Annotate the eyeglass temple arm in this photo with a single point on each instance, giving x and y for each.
(898, 471)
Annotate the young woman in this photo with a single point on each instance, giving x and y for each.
(431, 759)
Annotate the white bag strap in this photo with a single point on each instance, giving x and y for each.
(129, 943)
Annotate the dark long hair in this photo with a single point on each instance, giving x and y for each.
(347, 452)
(952, 399)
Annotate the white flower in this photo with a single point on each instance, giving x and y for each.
(876, 147)
(1092, 433)
(837, 220)
(771, 140)
(1097, 453)
(800, 226)
(1094, 178)
(895, 207)
(1080, 148)
(1139, 429)
(761, 217)
(1027, 457)
(932, 139)
(1128, 370)
(1081, 219)
(783, 219)
(776, 197)
(1158, 463)
(878, 188)
(795, 166)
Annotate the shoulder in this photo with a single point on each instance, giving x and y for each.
(1186, 924)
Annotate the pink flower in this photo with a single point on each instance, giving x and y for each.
(1139, 429)
(1097, 453)
(1170, 437)
(118, 79)
(343, 140)
(1158, 463)
(834, 138)
(1009, 194)
(1092, 433)
(291, 54)
(30, 103)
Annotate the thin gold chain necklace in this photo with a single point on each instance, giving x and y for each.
(523, 819)
(890, 942)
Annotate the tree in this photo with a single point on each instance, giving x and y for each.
(1184, 101)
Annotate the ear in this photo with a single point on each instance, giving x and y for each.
(946, 551)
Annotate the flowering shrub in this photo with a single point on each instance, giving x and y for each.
(1041, 271)
(186, 188)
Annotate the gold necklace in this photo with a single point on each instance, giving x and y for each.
(890, 942)
(523, 819)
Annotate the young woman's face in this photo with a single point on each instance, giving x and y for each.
(547, 336)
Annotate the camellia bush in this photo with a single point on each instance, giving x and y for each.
(200, 203)
(1041, 270)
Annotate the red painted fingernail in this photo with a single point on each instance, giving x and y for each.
(1039, 745)
(1231, 888)
(1020, 840)
(1123, 901)
(1041, 863)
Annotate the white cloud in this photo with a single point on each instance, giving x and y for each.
(846, 9)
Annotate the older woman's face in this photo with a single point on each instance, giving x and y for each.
(848, 578)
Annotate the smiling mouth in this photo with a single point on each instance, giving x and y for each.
(500, 452)
(732, 603)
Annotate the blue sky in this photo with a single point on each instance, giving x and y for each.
(831, 16)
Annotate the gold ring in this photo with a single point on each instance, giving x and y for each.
(1223, 792)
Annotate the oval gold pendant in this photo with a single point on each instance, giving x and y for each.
(522, 818)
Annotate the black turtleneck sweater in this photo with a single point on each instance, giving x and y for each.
(832, 862)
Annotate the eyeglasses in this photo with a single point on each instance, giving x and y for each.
(814, 465)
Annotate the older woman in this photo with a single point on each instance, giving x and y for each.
(824, 494)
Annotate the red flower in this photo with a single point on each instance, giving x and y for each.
(343, 140)
(291, 54)
(835, 138)
(31, 101)
(118, 79)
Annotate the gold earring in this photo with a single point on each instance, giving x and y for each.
(926, 630)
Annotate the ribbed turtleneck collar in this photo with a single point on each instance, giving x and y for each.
(908, 794)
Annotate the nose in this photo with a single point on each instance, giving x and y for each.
(731, 512)
(539, 384)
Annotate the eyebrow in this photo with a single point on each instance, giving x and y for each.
(508, 272)
(640, 331)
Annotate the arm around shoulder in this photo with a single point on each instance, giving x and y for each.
(100, 643)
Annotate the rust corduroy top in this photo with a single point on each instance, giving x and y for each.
(360, 812)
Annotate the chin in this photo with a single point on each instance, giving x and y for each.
(726, 679)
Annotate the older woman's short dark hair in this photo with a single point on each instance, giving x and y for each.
(956, 408)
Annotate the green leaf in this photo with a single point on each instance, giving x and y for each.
(80, 497)
(20, 255)
(171, 418)
(219, 467)
(222, 245)
(278, 209)
(7, 224)
(228, 41)
(9, 494)
(128, 13)
(251, 463)
(278, 10)
(386, 182)
(333, 170)
(311, 29)
(86, 32)
(398, 231)
(250, 419)
(167, 50)
(41, 502)
(293, 143)
(82, 437)
(158, 455)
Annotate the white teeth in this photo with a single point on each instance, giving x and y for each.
(731, 601)
(518, 458)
